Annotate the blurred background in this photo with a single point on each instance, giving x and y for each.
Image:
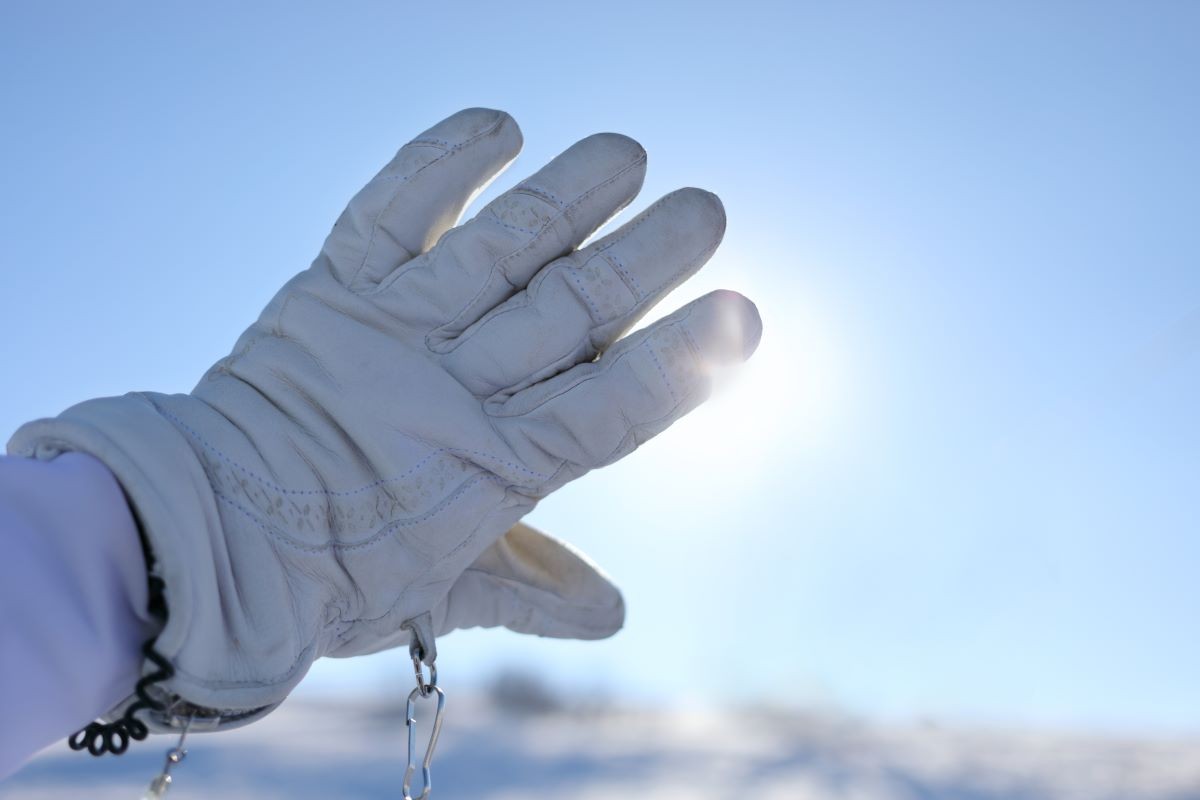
(939, 540)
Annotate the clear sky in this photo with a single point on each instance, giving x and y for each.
(962, 475)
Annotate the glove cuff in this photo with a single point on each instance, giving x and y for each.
(173, 503)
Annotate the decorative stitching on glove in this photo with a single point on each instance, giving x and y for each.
(345, 492)
(282, 535)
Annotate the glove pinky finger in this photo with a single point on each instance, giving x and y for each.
(596, 413)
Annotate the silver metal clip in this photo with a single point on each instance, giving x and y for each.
(159, 786)
(422, 651)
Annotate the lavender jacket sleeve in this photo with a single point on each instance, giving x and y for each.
(73, 600)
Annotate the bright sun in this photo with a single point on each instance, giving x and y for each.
(791, 395)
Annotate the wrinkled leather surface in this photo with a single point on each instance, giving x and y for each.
(399, 406)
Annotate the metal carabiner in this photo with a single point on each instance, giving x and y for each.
(411, 722)
(422, 649)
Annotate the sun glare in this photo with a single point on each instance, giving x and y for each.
(790, 396)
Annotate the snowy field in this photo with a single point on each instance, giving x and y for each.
(312, 749)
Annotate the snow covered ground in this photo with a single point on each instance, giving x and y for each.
(319, 749)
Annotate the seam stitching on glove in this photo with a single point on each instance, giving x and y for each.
(427, 140)
(574, 273)
(670, 281)
(661, 371)
(630, 281)
(541, 193)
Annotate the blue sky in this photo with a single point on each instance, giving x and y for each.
(962, 475)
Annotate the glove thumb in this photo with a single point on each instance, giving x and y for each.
(533, 583)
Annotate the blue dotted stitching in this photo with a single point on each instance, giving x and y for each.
(584, 292)
(497, 459)
(661, 371)
(405, 178)
(620, 267)
(345, 493)
(496, 219)
(448, 150)
(549, 195)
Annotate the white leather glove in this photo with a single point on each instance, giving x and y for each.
(399, 406)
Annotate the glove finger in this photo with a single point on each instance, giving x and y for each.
(419, 195)
(482, 262)
(532, 583)
(595, 413)
(580, 304)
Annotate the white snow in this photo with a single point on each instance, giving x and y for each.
(323, 749)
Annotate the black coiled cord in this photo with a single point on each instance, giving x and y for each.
(99, 738)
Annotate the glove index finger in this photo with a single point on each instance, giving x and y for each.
(419, 194)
